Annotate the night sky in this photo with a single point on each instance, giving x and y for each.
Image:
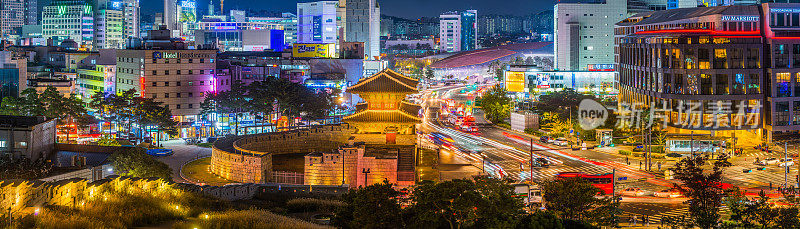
(402, 8)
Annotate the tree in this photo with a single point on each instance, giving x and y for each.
(135, 162)
(50, 104)
(496, 104)
(759, 213)
(574, 199)
(704, 189)
(373, 206)
(107, 140)
(563, 101)
(483, 203)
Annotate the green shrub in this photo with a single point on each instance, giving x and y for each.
(658, 156)
(504, 125)
(245, 219)
(625, 152)
(531, 131)
(205, 145)
(637, 154)
(312, 205)
(674, 155)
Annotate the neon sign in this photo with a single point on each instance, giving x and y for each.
(740, 18)
(784, 10)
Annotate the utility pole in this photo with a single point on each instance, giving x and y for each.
(343, 152)
(691, 144)
(786, 164)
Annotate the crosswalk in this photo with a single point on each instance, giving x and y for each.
(673, 214)
(757, 178)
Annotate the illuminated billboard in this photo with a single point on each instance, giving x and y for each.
(188, 11)
(314, 50)
(515, 81)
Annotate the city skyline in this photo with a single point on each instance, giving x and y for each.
(399, 8)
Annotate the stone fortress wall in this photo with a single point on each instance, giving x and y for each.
(248, 158)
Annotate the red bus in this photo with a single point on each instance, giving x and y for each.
(604, 181)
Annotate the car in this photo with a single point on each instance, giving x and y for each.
(668, 193)
(769, 161)
(561, 142)
(761, 163)
(544, 139)
(786, 162)
(632, 192)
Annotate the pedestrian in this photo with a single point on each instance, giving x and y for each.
(646, 221)
(770, 185)
(634, 220)
(640, 165)
(659, 166)
(626, 160)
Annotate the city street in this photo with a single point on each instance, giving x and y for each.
(508, 151)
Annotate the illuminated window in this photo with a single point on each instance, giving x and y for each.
(720, 58)
(782, 82)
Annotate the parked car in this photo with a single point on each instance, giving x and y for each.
(544, 139)
(668, 193)
(632, 192)
(786, 162)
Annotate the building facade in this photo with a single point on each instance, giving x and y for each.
(109, 21)
(735, 66)
(131, 18)
(458, 31)
(362, 23)
(240, 36)
(178, 78)
(316, 22)
(69, 19)
(584, 32)
(287, 20)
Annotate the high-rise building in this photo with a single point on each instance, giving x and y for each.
(362, 23)
(12, 15)
(69, 19)
(187, 18)
(584, 33)
(316, 22)
(170, 16)
(131, 20)
(401, 28)
(499, 25)
(287, 20)
(16, 13)
(716, 70)
(458, 31)
(31, 12)
(238, 15)
(108, 25)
